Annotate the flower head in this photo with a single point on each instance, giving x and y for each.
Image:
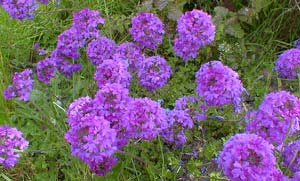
(45, 70)
(92, 141)
(100, 49)
(248, 157)
(21, 87)
(112, 71)
(11, 143)
(20, 9)
(291, 156)
(219, 85)
(277, 117)
(86, 22)
(146, 119)
(130, 53)
(288, 63)
(147, 30)
(154, 73)
(195, 29)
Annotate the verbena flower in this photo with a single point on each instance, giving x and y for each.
(111, 101)
(112, 71)
(147, 30)
(21, 87)
(78, 109)
(248, 157)
(288, 63)
(63, 65)
(178, 122)
(192, 106)
(92, 141)
(154, 73)
(195, 29)
(276, 118)
(291, 156)
(12, 143)
(219, 85)
(45, 70)
(145, 119)
(86, 22)
(68, 44)
(20, 9)
(100, 49)
(130, 53)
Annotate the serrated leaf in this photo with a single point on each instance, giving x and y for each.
(147, 5)
(161, 4)
(221, 11)
(174, 12)
(258, 5)
(235, 29)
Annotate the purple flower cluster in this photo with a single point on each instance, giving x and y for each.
(291, 156)
(100, 49)
(112, 101)
(288, 63)
(154, 72)
(248, 157)
(219, 85)
(21, 87)
(192, 106)
(195, 29)
(69, 42)
(277, 117)
(145, 119)
(21, 9)
(178, 122)
(130, 53)
(86, 22)
(93, 141)
(112, 71)
(11, 143)
(147, 30)
(45, 69)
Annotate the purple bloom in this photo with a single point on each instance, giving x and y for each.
(112, 71)
(86, 22)
(69, 42)
(277, 116)
(178, 122)
(288, 63)
(78, 109)
(147, 30)
(195, 30)
(146, 119)
(45, 70)
(111, 101)
(297, 43)
(291, 156)
(100, 49)
(131, 53)
(20, 9)
(190, 104)
(11, 143)
(21, 87)
(154, 73)
(92, 141)
(248, 157)
(219, 85)
(62, 65)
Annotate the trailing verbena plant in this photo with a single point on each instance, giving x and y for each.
(147, 100)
